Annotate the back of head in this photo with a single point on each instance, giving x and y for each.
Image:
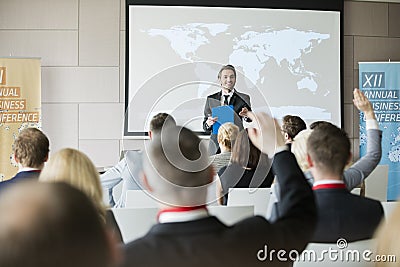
(31, 148)
(45, 225)
(244, 152)
(75, 168)
(292, 125)
(299, 148)
(329, 148)
(316, 124)
(227, 134)
(161, 120)
(177, 167)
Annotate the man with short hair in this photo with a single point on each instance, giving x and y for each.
(31, 151)
(52, 224)
(128, 168)
(177, 172)
(227, 96)
(291, 126)
(340, 213)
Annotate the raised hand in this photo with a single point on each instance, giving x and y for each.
(266, 134)
(362, 103)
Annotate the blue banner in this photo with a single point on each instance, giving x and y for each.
(380, 82)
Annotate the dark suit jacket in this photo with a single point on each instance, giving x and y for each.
(342, 214)
(208, 242)
(20, 177)
(238, 101)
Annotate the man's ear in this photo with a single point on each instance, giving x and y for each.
(46, 158)
(286, 136)
(145, 182)
(15, 158)
(310, 161)
(150, 135)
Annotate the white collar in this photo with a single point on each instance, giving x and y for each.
(230, 93)
(27, 169)
(182, 216)
(327, 182)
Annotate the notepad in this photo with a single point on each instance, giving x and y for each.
(224, 114)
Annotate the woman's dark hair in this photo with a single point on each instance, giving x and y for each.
(244, 152)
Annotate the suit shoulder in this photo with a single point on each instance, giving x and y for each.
(377, 204)
(214, 96)
(242, 94)
(138, 244)
(252, 224)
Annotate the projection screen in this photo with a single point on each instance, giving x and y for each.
(288, 58)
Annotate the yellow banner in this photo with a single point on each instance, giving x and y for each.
(20, 106)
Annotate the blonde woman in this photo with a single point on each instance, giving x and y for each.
(299, 149)
(227, 134)
(75, 168)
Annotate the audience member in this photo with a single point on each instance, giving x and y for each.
(227, 134)
(177, 171)
(315, 124)
(31, 149)
(128, 169)
(291, 126)
(75, 168)
(46, 225)
(357, 172)
(249, 168)
(340, 213)
(387, 239)
(299, 149)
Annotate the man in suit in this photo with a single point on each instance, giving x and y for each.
(127, 169)
(340, 213)
(31, 150)
(227, 96)
(177, 172)
(52, 224)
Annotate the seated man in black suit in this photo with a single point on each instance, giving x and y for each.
(227, 96)
(340, 213)
(31, 150)
(52, 224)
(177, 172)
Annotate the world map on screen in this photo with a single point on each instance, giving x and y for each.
(250, 47)
(287, 61)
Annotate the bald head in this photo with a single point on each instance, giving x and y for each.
(50, 224)
(177, 162)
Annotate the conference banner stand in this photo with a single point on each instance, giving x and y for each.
(20, 105)
(380, 82)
